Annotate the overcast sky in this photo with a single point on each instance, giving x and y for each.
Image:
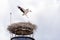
(45, 14)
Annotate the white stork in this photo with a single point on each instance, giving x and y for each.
(25, 11)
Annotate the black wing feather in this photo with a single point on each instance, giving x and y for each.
(21, 9)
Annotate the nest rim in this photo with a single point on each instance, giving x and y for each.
(13, 27)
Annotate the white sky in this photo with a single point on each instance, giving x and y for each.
(45, 14)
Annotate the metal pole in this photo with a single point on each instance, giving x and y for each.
(11, 35)
(10, 18)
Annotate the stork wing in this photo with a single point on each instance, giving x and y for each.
(23, 10)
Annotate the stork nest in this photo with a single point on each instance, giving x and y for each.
(22, 28)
